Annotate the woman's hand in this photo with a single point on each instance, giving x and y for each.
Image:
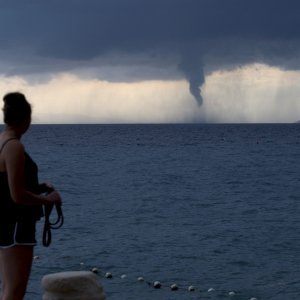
(54, 197)
(49, 185)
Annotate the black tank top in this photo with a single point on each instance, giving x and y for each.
(9, 210)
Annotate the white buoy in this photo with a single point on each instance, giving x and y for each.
(95, 270)
(253, 298)
(157, 284)
(211, 290)
(108, 275)
(191, 288)
(141, 279)
(231, 293)
(174, 287)
(36, 257)
(123, 276)
(81, 263)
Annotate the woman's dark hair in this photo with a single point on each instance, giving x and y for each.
(16, 109)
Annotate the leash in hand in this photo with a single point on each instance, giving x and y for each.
(48, 225)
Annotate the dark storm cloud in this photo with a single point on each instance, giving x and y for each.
(190, 34)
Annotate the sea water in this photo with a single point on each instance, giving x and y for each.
(213, 206)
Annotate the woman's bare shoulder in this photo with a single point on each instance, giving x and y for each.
(11, 146)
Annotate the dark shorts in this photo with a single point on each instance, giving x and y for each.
(17, 233)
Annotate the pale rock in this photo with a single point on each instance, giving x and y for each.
(74, 285)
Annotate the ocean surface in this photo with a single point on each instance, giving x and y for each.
(213, 206)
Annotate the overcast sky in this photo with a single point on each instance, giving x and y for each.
(153, 60)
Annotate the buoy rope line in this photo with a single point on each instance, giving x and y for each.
(159, 285)
(172, 287)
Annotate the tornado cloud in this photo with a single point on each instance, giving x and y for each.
(192, 67)
(195, 37)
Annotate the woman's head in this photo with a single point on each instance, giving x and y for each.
(16, 110)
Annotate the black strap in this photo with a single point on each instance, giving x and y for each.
(47, 236)
(6, 143)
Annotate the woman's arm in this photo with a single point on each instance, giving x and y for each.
(14, 158)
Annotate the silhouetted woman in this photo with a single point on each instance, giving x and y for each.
(20, 199)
